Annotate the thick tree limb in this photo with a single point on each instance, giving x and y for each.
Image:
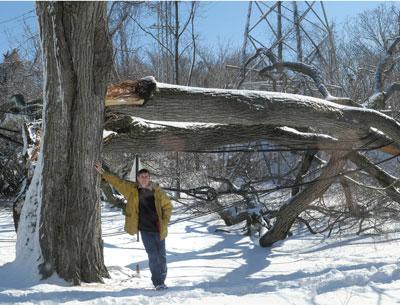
(139, 136)
(314, 74)
(142, 136)
(289, 212)
(187, 104)
(378, 173)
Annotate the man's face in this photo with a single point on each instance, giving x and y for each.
(144, 179)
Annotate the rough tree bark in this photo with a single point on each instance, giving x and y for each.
(304, 167)
(62, 209)
(354, 208)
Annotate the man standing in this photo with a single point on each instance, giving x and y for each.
(148, 210)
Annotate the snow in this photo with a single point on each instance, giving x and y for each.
(306, 134)
(29, 253)
(209, 267)
(177, 124)
(107, 133)
(149, 79)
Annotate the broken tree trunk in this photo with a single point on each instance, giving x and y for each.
(244, 107)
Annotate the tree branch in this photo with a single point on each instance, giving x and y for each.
(386, 180)
(152, 35)
(378, 98)
(192, 11)
(314, 74)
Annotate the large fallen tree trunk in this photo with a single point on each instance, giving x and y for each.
(244, 107)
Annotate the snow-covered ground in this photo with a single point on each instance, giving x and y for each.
(208, 267)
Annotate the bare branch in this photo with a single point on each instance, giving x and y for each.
(152, 35)
(377, 100)
(314, 74)
(191, 15)
(194, 52)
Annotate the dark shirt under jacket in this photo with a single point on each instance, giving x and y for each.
(148, 219)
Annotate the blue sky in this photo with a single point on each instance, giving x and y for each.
(219, 22)
(12, 23)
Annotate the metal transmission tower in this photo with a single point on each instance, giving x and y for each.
(286, 32)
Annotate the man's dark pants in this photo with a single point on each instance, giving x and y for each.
(156, 253)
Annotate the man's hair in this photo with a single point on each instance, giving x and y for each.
(143, 171)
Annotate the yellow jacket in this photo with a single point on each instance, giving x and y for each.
(130, 191)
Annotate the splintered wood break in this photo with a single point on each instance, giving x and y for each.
(123, 94)
(124, 101)
(130, 92)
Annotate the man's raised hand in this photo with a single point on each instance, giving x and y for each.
(99, 168)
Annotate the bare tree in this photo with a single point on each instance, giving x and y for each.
(368, 41)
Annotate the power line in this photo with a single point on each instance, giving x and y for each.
(18, 17)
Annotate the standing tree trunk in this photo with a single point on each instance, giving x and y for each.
(62, 209)
(296, 23)
(176, 42)
(279, 31)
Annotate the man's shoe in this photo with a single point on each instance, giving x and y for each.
(161, 287)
